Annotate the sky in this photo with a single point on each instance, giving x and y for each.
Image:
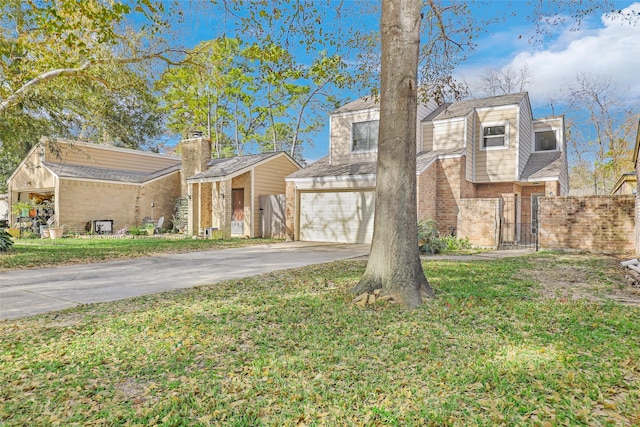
(601, 46)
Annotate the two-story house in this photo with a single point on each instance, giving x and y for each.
(481, 164)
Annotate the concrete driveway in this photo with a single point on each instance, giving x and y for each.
(28, 292)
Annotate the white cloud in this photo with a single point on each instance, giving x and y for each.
(613, 49)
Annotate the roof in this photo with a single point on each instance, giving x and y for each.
(543, 165)
(65, 170)
(224, 167)
(322, 168)
(630, 177)
(364, 103)
(462, 108)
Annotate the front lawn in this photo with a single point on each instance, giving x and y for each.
(497, 346)
(30, 253)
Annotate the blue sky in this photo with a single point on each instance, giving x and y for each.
(600, 46)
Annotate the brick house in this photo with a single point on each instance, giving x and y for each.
(480, 163)
(88, 182)
(226, 194)
(636, 162)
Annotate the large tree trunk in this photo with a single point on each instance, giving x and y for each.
(394, 262)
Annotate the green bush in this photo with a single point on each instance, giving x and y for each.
(135, 230)
(5, 240)
(428, 237)
(453, 243)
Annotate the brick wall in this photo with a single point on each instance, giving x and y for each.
(427, 193)
(290, 194)
(125, 204)
(450, 184)
(478, 220)
(596, 224)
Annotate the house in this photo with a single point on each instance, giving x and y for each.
(89, 182)
(225, 194)
(626, 184)
(481, 165)
(120, 187)
(636, 162)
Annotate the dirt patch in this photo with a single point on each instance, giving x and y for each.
(582, 277)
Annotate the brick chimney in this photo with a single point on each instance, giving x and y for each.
(196, 153)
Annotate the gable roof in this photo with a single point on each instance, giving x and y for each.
(543, 165)
(227, 167)
(322, 168)
(462, 108)
(66, 170)
(363, 103)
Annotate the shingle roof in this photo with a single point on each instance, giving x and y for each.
(462, 108)
(360, 104)
(90, 172)
(322, 168)
(220, 168)
(543, 165)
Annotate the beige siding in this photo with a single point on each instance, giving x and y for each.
(471, 152)
(244, 181)
(496, 165)
(525, 133)
(448, 134)
(269, 179)
(109, 157)
(32, 175)
(340, 147)
(427, 137)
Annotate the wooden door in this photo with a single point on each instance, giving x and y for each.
(237, 213)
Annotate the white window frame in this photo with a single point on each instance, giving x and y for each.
(370, 150)
(533, 140)
(505, 146)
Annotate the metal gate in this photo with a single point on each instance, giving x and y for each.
(518, 235)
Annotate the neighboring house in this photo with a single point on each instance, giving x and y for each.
(88, 182)
(636, 162)
(225, 194)
(480, 163)
(626, 184)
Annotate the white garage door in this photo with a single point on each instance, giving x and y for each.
(342, 217)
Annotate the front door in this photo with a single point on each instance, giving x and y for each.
(237, 214)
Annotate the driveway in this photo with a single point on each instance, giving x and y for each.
(28, 292)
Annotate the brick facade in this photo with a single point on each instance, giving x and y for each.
(596, 224)
(478, 221)
(125, 204)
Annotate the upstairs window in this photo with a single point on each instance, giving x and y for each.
(546, 140)
(494, 136)
(365, 136)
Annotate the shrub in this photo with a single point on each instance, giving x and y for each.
(135, 230)
(5, 240)
(453, 243)
(428, 237)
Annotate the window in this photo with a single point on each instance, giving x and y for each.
(365, 136)
(494, 136)
(545, 140)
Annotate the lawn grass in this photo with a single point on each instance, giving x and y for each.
(290, 349)
(30, 253)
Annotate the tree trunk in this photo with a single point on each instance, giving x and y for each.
(394, 262)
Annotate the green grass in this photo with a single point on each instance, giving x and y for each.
(30, 253)
(289, 348)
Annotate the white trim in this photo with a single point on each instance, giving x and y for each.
(252, 226)
(448, 120)
(517, 142)
(498, 107)
(507, 129)
(22, 163)
(533, 140)
(351, 139)
(473, 148)
(352, 112)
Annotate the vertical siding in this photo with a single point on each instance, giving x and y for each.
(108, 157)
(269, 179)
(524, 134)
(470, 146)
(427, 136)
(496, 165)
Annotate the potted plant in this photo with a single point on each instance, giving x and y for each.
(22, 209)
(55, 230)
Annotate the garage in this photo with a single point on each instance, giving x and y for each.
(337, 216)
